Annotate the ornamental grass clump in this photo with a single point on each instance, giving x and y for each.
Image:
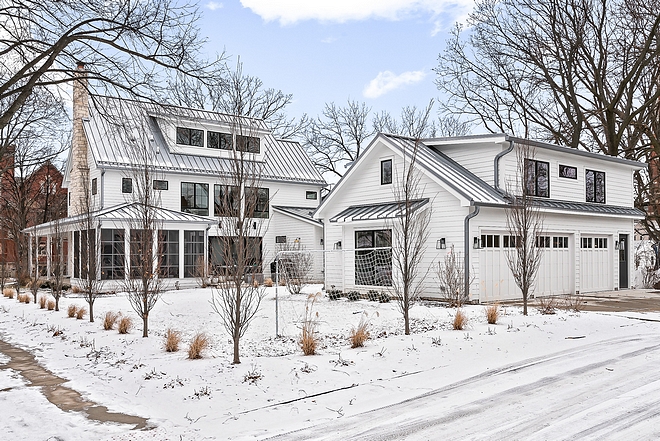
(42, 302)
(460, 320)
(198, 344)
(50, 305)
(309, 340)
(125, 325)
(72, 310)
(492, 313)
(9, 293)
(172, 340)
(81, 313)
(109, 320)
(360, 334)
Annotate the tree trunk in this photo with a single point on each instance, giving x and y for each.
(91, 311)
(406, 319)
(525, 303)
(237, 325)
(57, 303)
(145, 330)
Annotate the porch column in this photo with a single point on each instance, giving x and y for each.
(182, 252)
(29, 255)
(49, 255)
(127, 253)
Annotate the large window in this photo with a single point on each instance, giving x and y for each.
(193, 251)
(260, 201)
(226, 202)
(373, 258)
(537, 178)
(88, 253)
(76, 253)
(595, 186)
(221, 257)
(112, 254)
(187, 136)
(168, 250)
(195, 198)
(386, 172)
(141, 241)
(217, 140)
(250, 144)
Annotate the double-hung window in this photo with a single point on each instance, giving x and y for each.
(195, 198)
(595, 182)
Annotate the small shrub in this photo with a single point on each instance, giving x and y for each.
(353, 296)
(373, 295)
(268, 282)
(309, 339)
(9, 293)
(81, 313)
(252, 376)
(50, 305)
(384, 297)
(172, 340)
(42, 302)
(125, 325)
(76, 289)
(334, 294)
(198, 344)
(573, 302)
(25, 298)
(460, 320)
(492, 313)
(282, 281)
(360, 334)
(109, 320)
(72, 310)
(547, 305)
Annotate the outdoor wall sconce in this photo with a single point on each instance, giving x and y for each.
(321, 241)
(297, 240)
(477, 243)
(441, 244)
(620, 245)
(254, 225)
(338, 245)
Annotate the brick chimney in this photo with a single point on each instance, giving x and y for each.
(79, 166)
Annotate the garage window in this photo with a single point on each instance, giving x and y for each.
(543, 241)
(600, 242)
(587, 242)
(490, 240)
(511, 241)
(560, 242)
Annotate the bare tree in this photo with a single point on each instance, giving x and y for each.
(129, 44)
(452, 279)
(58, 265)
(242, 206)
(88, 237)
(410, 232)
(295, 265)
(233, 92)
(524, 222)
(143, 287)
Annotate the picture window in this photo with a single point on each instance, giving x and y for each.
(218, 140)
(188, 136)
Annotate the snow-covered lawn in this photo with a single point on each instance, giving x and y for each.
(211, 399)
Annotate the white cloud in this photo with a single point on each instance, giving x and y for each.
(292, 11)
(214, 5)
(388, 81)
(329, 40)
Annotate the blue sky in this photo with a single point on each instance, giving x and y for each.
(381, 52)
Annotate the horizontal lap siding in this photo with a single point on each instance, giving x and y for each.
(477, 158)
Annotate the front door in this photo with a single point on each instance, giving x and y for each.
(623, 261)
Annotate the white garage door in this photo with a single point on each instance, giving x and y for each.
(595, 264)
(555, 275)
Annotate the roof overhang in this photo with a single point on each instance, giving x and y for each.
(377, 212)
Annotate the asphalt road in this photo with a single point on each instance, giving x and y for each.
(607, 390)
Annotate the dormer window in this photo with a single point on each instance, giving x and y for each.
(187, 136)
(250, 144)
(217, 140)
(537, 178)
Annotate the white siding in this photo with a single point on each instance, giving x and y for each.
(478, 158)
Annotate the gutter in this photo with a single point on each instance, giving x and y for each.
(496, 164)
(102, 188)
(466, 254)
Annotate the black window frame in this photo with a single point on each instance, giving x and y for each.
(542, 242)
(261, 203)
(219, 140)
(560, 242)
(564, 168)
(253, 144)
(253, 247)
(162, 184)
(193, 249)
(594, 197)
(490, 241)
(168, 252)
(113, 256)
(199, 210)
(385, 179)
(370, 246)
(186, 136)
(127, 185)
(531, 186)
(280, 239)
(312, 195)
(226, 200)
(94, 186)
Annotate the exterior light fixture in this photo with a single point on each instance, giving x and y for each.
(477, 243)
(441, 244)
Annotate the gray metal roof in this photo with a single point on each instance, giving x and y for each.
(586, 207)
(454, 175)
(304, 213)
(112, 121)
(126, 212)
(389, 210)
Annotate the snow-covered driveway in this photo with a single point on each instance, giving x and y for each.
(607, 390)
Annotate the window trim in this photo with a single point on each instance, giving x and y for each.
(195, 207)
(227, 137)
(94, 186)
(309, 193)
(124, 183)
(536, 179)
(383, 251)
(189, 140)
(567, 167)
(167, 184)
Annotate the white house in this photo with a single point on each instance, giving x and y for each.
(586, 200)
(190, 157)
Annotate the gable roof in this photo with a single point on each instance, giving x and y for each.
(114, 120)
(439, 166)
(303, 213)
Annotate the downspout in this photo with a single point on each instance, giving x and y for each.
(496, 164)
(102, 188)
(466, 254)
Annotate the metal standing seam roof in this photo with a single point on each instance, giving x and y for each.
(125, 213)
(283, 160)
(388, 210)
(585, 207)
(305, 213)
(454, 175)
